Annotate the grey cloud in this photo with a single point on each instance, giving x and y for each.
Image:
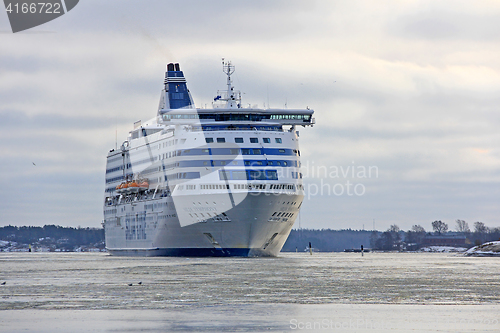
(63, 94)
(402, 203)
(197, 20)
(14, 119)
(446, 25)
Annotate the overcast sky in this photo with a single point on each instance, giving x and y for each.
(408, 88)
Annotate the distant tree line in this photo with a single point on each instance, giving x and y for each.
(395, 239)
(65, 237)
(326, 240)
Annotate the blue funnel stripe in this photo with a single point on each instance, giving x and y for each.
(176, 87)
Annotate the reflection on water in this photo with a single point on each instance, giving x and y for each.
(263, 293)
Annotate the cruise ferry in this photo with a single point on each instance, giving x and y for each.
(219, 181)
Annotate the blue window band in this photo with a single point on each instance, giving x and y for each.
(248, 175)
(223, 163)
(237, 151)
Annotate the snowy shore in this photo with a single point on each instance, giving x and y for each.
(489, 249)
(443, 249)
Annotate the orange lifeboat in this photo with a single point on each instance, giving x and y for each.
(119, 188)
(133, 186)
(144, 184)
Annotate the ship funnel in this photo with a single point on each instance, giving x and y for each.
(176, 94)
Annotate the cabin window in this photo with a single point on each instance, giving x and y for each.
(254, 140)
(266, 140)
(221, 140)
(238, 140)
(278, 140)
(209, 140)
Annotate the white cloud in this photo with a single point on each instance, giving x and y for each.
(410, 87)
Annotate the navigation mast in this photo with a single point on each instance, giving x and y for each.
(230, 96)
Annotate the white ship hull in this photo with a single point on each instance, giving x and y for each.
(247, 230)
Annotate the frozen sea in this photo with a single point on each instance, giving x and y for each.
(295, 292)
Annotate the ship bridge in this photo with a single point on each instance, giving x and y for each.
(303, 117)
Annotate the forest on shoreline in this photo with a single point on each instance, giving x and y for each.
(58, 238)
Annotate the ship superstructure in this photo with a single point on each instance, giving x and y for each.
(223, 181)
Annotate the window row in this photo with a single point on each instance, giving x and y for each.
(182, 175)
(210, 128)
(118, 168)
(237, 116)
(214, 186)
(245, 186)
(282, 187)
(238, 151)
(211, 217)
(217, 163)
(219, 151)
(283, 214)
(249, 186)
(110, 211)
(240, 140)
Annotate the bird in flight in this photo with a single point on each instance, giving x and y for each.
(33, 163)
